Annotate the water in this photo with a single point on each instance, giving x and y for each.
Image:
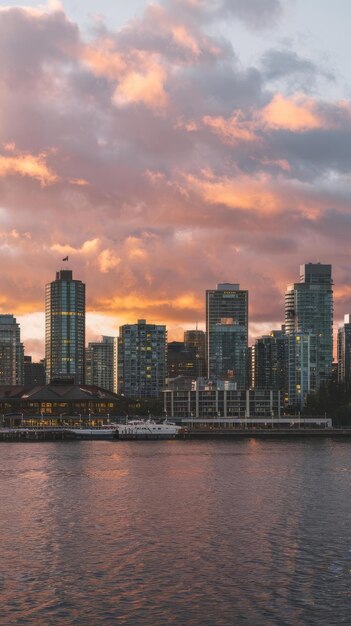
(180, 532)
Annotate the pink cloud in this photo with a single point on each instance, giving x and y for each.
(33, 166)
(173, 168)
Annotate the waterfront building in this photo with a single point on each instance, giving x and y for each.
(142, 359)
(65, 328)
(309, 312)
(101, 363)
(34, 373)
(227, 333)
(219, 399)
(64, 399)
(344, 352)
(269, 357)
(11, 351)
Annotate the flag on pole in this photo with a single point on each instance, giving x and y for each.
(65, 259)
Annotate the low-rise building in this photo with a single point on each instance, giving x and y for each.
(210, 399)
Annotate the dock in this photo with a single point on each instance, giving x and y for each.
(65, 434)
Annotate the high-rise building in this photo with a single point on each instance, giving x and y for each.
(195, 341)
(11, 352)
(301, 371)
(142, 359)
(65, 329)
(309, 311)
(227, 333)
(269, 361)
(101, 363)
(344, 352)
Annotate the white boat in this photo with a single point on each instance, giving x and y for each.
(106, 432)
(148, 429)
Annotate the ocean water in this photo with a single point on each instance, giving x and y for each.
(180, 532)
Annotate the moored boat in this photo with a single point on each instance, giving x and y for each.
(148, 429)
(91, 433)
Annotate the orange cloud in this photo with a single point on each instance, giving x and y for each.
(108, 260)
(182, 37)
(242, 192)
(297, 114)
(103, 59)
(88, 247)
(162, 309)
(80, 182)
(33, 166)
(230, 130)
(145, 86)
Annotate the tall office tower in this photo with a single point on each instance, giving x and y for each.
(11, 352)
(309, 310)
(195, 341)
(227, 333)
(142, 359)
(344, 352)
(65, 329)
(101, 363)
(269, 361)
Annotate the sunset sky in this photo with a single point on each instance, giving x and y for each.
(168, 146)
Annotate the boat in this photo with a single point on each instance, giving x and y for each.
(105, 432)
(148, 429)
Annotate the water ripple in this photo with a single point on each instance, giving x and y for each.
(208, 533)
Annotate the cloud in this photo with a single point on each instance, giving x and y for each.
(108, 260)
(147, 87)
(257, 14)
(32, 166)
(88, 247)
(161, 165)
(298, 113)
(301, 73)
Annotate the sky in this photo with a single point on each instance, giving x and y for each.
(169, 146)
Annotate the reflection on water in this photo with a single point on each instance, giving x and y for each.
(198, 533)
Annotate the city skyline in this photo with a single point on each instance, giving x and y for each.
(167, 148)
(199, 324)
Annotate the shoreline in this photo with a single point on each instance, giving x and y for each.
(39, 435)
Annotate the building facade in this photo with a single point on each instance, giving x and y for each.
(180, 362)
(309, 312)
(142, 359)
(11, 352)
(344, 352)
(101, 363)
(227, 333)
(65, 329)
(34, 373)
(210, 400)
(301, 372)
(195, 341)
(269, 358)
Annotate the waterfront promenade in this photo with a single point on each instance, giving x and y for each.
(42, 434)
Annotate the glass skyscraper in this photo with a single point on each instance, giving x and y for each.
(227, 333)
(65, 329)
(309, 310)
